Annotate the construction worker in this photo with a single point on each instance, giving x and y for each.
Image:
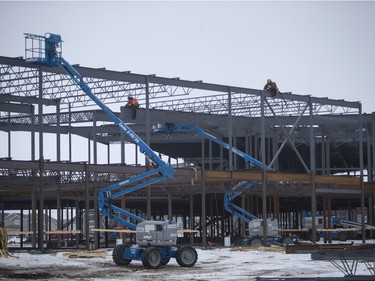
(271, 87)
(134, 105)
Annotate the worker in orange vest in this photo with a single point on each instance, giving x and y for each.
(134, 105)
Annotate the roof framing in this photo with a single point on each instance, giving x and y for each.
(18, 78)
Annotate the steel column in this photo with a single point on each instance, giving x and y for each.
(264, 174)
(122, 137)
(32, 134)
(58, 216)
(230, 130)
(94, 142)
(191, 218)
(312, 170)
(203, 199)
(70, 133)
(58, 134)
(361, 167)
(87, 206)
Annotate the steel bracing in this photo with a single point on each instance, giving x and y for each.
(31, 96)
(290, 132)
(23, 84)
(20, 79)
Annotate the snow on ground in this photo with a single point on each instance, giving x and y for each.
(215, 264)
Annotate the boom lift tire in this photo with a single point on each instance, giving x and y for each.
(287, 241)
(117, 255)
(256, 242)
(343, 236)
(186, 256)
(151, 258)
(164, 261)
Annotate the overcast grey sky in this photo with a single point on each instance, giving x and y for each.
(323, 49)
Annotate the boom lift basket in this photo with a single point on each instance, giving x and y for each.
(42, 49)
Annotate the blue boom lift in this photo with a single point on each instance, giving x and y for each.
(156, 240)
(255, 224)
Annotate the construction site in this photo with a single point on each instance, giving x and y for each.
(217, 158)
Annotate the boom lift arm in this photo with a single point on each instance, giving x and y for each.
(46, 50)
(238, 189)
(232, 208)
(180, 128)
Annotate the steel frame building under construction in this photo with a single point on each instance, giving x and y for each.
(321, 151)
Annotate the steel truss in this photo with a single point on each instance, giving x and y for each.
(292, 119)
(44, 99)
(17, 78)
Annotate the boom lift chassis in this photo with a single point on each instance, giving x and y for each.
(156, 240)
